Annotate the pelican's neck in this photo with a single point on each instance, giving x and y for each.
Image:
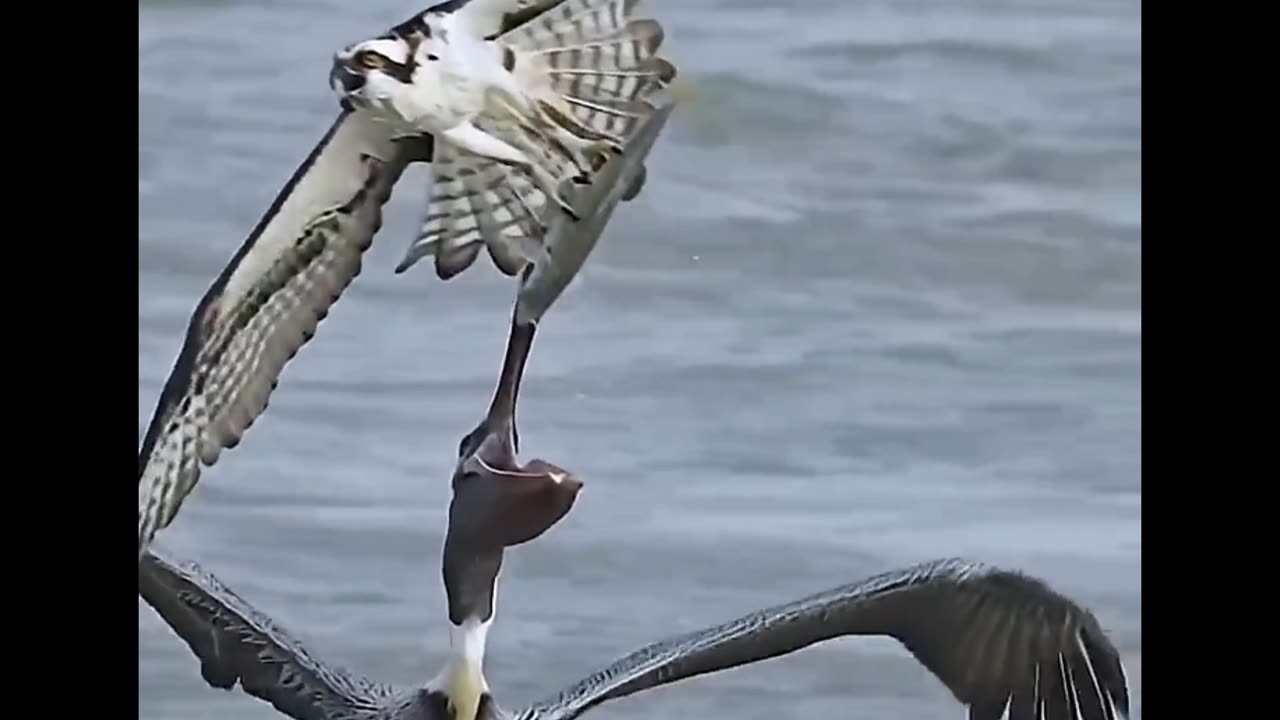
(462, 680)
(468, 640)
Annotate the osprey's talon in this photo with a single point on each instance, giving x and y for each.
(568, 210)
(583, 163)
(606, 147)
(581, 179)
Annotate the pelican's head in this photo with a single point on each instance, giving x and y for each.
(372, 72)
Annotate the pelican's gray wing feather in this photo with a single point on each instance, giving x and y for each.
(236, 643)
(1005, 644)
(263, 308)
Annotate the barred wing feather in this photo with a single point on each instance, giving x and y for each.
(601, 60)
(262, 309)
(476, 202)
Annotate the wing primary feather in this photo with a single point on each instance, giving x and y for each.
(944, 612)
(234, 642)
(261, 310)
(571, 22)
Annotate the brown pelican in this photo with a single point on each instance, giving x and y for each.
(497, 503)
(1005, 644)
(267, 303)
(1001, 641)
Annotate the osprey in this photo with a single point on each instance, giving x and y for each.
(304, 252)
(520, 97)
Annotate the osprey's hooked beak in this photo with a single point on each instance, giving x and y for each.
(344, 80)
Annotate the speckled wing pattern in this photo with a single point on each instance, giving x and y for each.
(263, 308)
(604, 65)
(1006, 645)
(237, 644)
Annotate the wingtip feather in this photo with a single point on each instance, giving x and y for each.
(452, 262)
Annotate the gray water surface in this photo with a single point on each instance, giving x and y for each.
(879, 303)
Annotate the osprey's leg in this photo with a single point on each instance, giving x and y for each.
(579, 150)
(563, 118)
(474, 140)
(529, 115)
(583, 140)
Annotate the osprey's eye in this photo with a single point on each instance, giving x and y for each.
(372, 61)
(432, 57)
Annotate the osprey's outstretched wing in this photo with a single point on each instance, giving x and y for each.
(488, 18)
(237, 644)
(601, 59)
(1006, 645)
(264, 306)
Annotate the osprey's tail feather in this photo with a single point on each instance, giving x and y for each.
(509, 221)
(477, 202)
(450, 229)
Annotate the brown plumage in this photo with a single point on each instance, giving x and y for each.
(1000, 641)
(497, 502)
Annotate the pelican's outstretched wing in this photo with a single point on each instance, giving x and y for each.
(264, 307)
(234, 643)
(1002, 643)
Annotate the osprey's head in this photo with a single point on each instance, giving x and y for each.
(372, 71)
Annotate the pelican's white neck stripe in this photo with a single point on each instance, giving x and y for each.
(462, 680)
(468, 641)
